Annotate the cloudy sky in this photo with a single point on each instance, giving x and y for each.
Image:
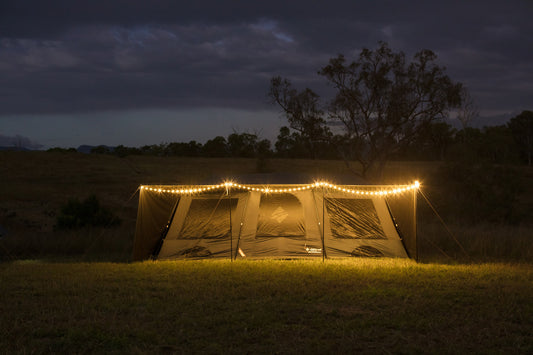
(144, 72)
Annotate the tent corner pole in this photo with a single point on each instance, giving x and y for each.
(415, 196)
(228, 192)
(323, 229)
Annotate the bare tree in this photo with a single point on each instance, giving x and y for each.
(302, 110)
(382, 101)
(468, 111)
(385, 102)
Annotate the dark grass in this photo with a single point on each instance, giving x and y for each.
(269, 306)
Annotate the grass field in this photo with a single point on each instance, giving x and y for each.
(292, 307)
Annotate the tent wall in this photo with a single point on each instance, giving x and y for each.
(364, 227)
(403, 211)
(314, 222)
(204, 226)
(153, 214)
(282, 225)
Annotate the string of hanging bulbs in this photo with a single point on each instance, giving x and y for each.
(371, 191)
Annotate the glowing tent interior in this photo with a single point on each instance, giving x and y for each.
(233, 220)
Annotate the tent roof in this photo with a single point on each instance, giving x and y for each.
(285, 179)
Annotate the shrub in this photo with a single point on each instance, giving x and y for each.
(87, 213)
(62, 150)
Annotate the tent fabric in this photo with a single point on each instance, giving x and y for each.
(310, 223)
(403, 212)
(280, 215)
(153, 214)
(354, 219)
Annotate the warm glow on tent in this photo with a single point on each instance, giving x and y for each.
(234, 220)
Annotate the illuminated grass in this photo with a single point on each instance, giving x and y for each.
(269, 306)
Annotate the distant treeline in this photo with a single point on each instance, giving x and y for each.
(504, 144)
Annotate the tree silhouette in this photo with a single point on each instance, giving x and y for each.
(302, 110)
(382, 102)
(522, 128)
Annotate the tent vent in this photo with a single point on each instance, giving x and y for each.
(195, 252)
(366, 251)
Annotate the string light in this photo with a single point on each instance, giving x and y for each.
(370, 190)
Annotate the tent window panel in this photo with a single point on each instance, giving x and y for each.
(280, 215)
(354, 219)
(208, 218)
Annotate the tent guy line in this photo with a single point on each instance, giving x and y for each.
(374, 190)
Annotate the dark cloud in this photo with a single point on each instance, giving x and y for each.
(78, 56)
(103, 67)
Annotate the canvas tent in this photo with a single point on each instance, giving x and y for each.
(233, 220)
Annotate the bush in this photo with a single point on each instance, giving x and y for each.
(62, 150)
(87, 213)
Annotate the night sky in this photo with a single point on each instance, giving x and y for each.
(145, 72)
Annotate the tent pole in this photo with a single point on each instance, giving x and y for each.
(415, 195)
(323, 218)
(230, 225)
(240, 228)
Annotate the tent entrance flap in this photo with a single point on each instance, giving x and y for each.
(164, 233)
